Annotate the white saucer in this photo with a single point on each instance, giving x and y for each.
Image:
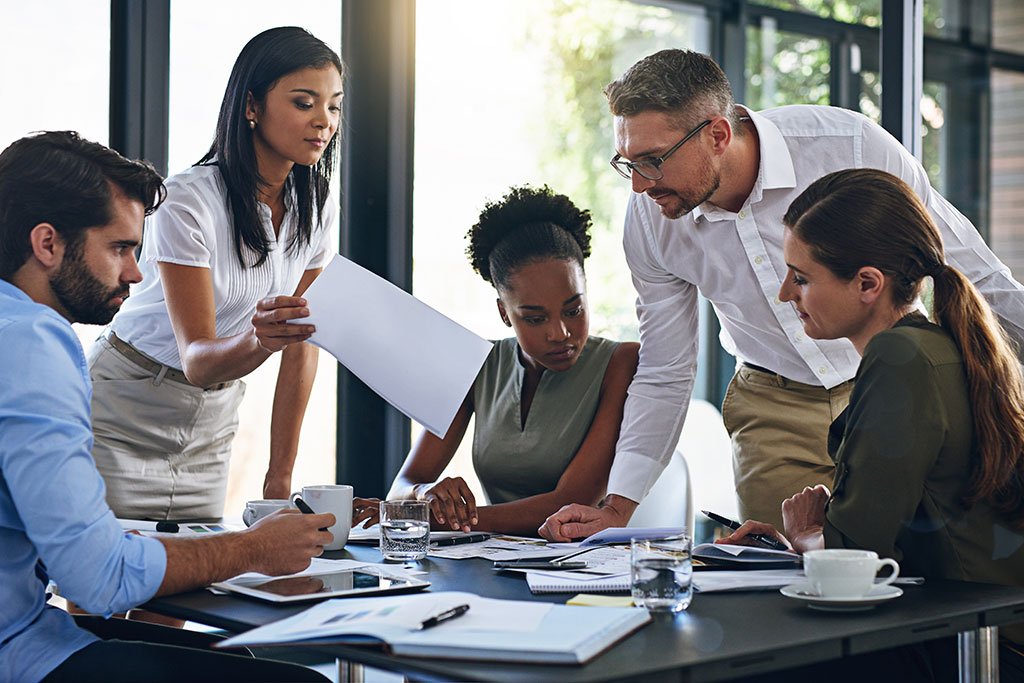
(806, 593)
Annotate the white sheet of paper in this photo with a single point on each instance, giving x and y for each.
(418, 360)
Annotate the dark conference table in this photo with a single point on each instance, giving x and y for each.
(721, 636)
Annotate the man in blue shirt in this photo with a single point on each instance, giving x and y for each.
(71, 214)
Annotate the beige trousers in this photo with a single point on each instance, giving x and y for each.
(162, 446)
(779, 433)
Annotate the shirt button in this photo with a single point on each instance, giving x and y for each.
(758, 260)
(822, 370)
(742, 215)
(778, 301)
(799, 336)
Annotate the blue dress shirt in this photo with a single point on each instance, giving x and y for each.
(53, 506)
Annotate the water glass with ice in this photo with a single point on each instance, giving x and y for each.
(661, 570)
(404, 529)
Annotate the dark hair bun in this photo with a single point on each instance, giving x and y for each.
(527, 225)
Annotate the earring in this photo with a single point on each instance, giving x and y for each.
(252, 124)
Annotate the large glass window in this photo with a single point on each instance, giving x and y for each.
(206, 37)
(1007, 158)
(867, 12)
(786, 68)
(56, 75)
(517, 100)
(1008, 25)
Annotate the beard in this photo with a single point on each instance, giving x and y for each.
(83, 296)
(688, 200)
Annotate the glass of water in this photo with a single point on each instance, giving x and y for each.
(662, 572)
(404, 529)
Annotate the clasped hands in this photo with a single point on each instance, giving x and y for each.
(803, 517)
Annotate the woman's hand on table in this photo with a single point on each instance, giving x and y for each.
(365, 511)
(803, 516)
(742, 536)
(451, 502)
(270, 322)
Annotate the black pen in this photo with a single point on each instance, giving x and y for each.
(444, 616)
(305, 509)
(773, 543)
(459, 540)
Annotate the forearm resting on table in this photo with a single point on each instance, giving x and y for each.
(524, 516)
(195, 562)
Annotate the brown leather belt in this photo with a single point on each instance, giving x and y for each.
(159, 370)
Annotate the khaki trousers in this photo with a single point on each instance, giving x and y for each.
(779, 432)
(162, 446)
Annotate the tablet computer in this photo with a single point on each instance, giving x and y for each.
(321, 585)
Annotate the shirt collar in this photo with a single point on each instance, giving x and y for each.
(776, 166)
(13, 291)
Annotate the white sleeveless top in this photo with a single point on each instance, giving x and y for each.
(193, 228)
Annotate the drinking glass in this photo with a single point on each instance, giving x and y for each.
(404, 529)
(661, 570)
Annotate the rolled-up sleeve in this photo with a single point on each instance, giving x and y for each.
(667, 310)
(57, 494)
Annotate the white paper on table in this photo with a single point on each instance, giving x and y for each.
(745, 579)
(415, 358)
(496, 548)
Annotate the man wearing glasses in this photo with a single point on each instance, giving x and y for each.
(711, 182)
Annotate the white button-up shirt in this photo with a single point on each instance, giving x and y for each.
(193, 228)
(735, 260)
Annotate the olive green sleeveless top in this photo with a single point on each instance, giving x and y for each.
(514, 460)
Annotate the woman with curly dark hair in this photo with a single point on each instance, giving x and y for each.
(548, 401)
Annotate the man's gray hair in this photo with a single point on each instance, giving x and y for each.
(687, 85)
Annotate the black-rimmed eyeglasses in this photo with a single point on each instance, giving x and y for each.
(650, 168)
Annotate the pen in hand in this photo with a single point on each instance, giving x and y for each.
(305, 509)
(430, 622)
(773, 543)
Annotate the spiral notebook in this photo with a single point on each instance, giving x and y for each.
(541, 582)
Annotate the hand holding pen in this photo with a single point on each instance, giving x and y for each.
(761, 538)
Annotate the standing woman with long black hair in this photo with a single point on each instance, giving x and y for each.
(225, 262)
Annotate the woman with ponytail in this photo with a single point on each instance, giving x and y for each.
(928, 455)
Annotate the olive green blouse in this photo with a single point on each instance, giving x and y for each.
(515, 460)
(903, 451)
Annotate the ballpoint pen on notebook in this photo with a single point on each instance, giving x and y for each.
(456, 611)
(761, 538)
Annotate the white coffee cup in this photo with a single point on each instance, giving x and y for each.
(844, 573)
(258, 509)
(336, 499)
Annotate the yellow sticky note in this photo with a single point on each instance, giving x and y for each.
(596, 600)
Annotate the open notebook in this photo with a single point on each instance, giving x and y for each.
(496, 630)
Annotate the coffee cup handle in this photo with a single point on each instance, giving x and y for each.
(247, 514)
(895, 571)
